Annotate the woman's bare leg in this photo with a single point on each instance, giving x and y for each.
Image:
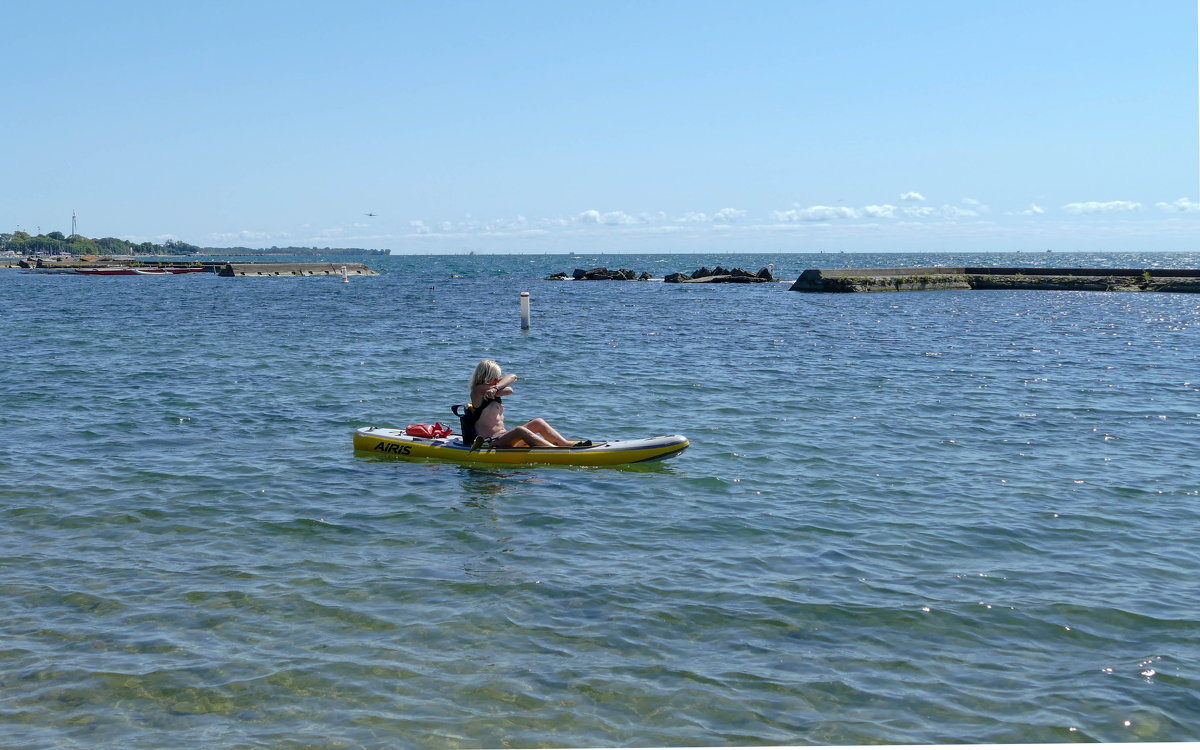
(543, 428)
(518, 436)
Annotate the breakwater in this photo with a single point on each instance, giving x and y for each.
(294, 269)
(844, 280)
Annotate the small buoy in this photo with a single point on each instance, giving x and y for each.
(345, 275)
(524, 311)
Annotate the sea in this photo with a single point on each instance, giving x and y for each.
(916, 517)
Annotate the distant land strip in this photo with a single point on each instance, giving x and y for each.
(24, 244)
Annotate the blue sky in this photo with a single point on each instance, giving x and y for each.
(812, 125)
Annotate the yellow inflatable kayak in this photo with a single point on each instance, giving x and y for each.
(602, 453)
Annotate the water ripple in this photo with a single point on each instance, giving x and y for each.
(910, 518)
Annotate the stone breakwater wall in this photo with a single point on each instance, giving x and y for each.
(294, 269)
(844, 280)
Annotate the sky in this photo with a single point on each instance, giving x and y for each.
(801, 126)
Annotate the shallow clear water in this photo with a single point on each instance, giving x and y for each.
(911, 517)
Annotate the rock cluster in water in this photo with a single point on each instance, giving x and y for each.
(703, 275)
(720, 275)
(602, 274)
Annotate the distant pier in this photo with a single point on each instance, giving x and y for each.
(221, 267)
(846, 280)
(294, 269)
(61, 263)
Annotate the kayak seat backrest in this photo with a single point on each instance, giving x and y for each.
(466, 421)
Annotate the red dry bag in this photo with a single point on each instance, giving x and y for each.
(435, 430)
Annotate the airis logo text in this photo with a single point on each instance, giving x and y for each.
(402, 450)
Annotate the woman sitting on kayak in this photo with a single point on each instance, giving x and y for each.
(487, 388)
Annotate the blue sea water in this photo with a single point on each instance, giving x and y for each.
(938, 517)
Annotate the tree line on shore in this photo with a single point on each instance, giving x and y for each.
(56, 243)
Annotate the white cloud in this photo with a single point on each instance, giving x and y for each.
(249, 235)
(519, 224)
(971, 208)
(1097, 207)
(611, 218)
(1183, 205)
(816, 213)
(974, 208)
(724, 216)
(916, 212)
(1033, 210)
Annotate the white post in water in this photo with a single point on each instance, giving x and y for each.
(524, 311)
(345, 275)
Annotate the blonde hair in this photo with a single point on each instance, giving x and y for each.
(486, 371)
